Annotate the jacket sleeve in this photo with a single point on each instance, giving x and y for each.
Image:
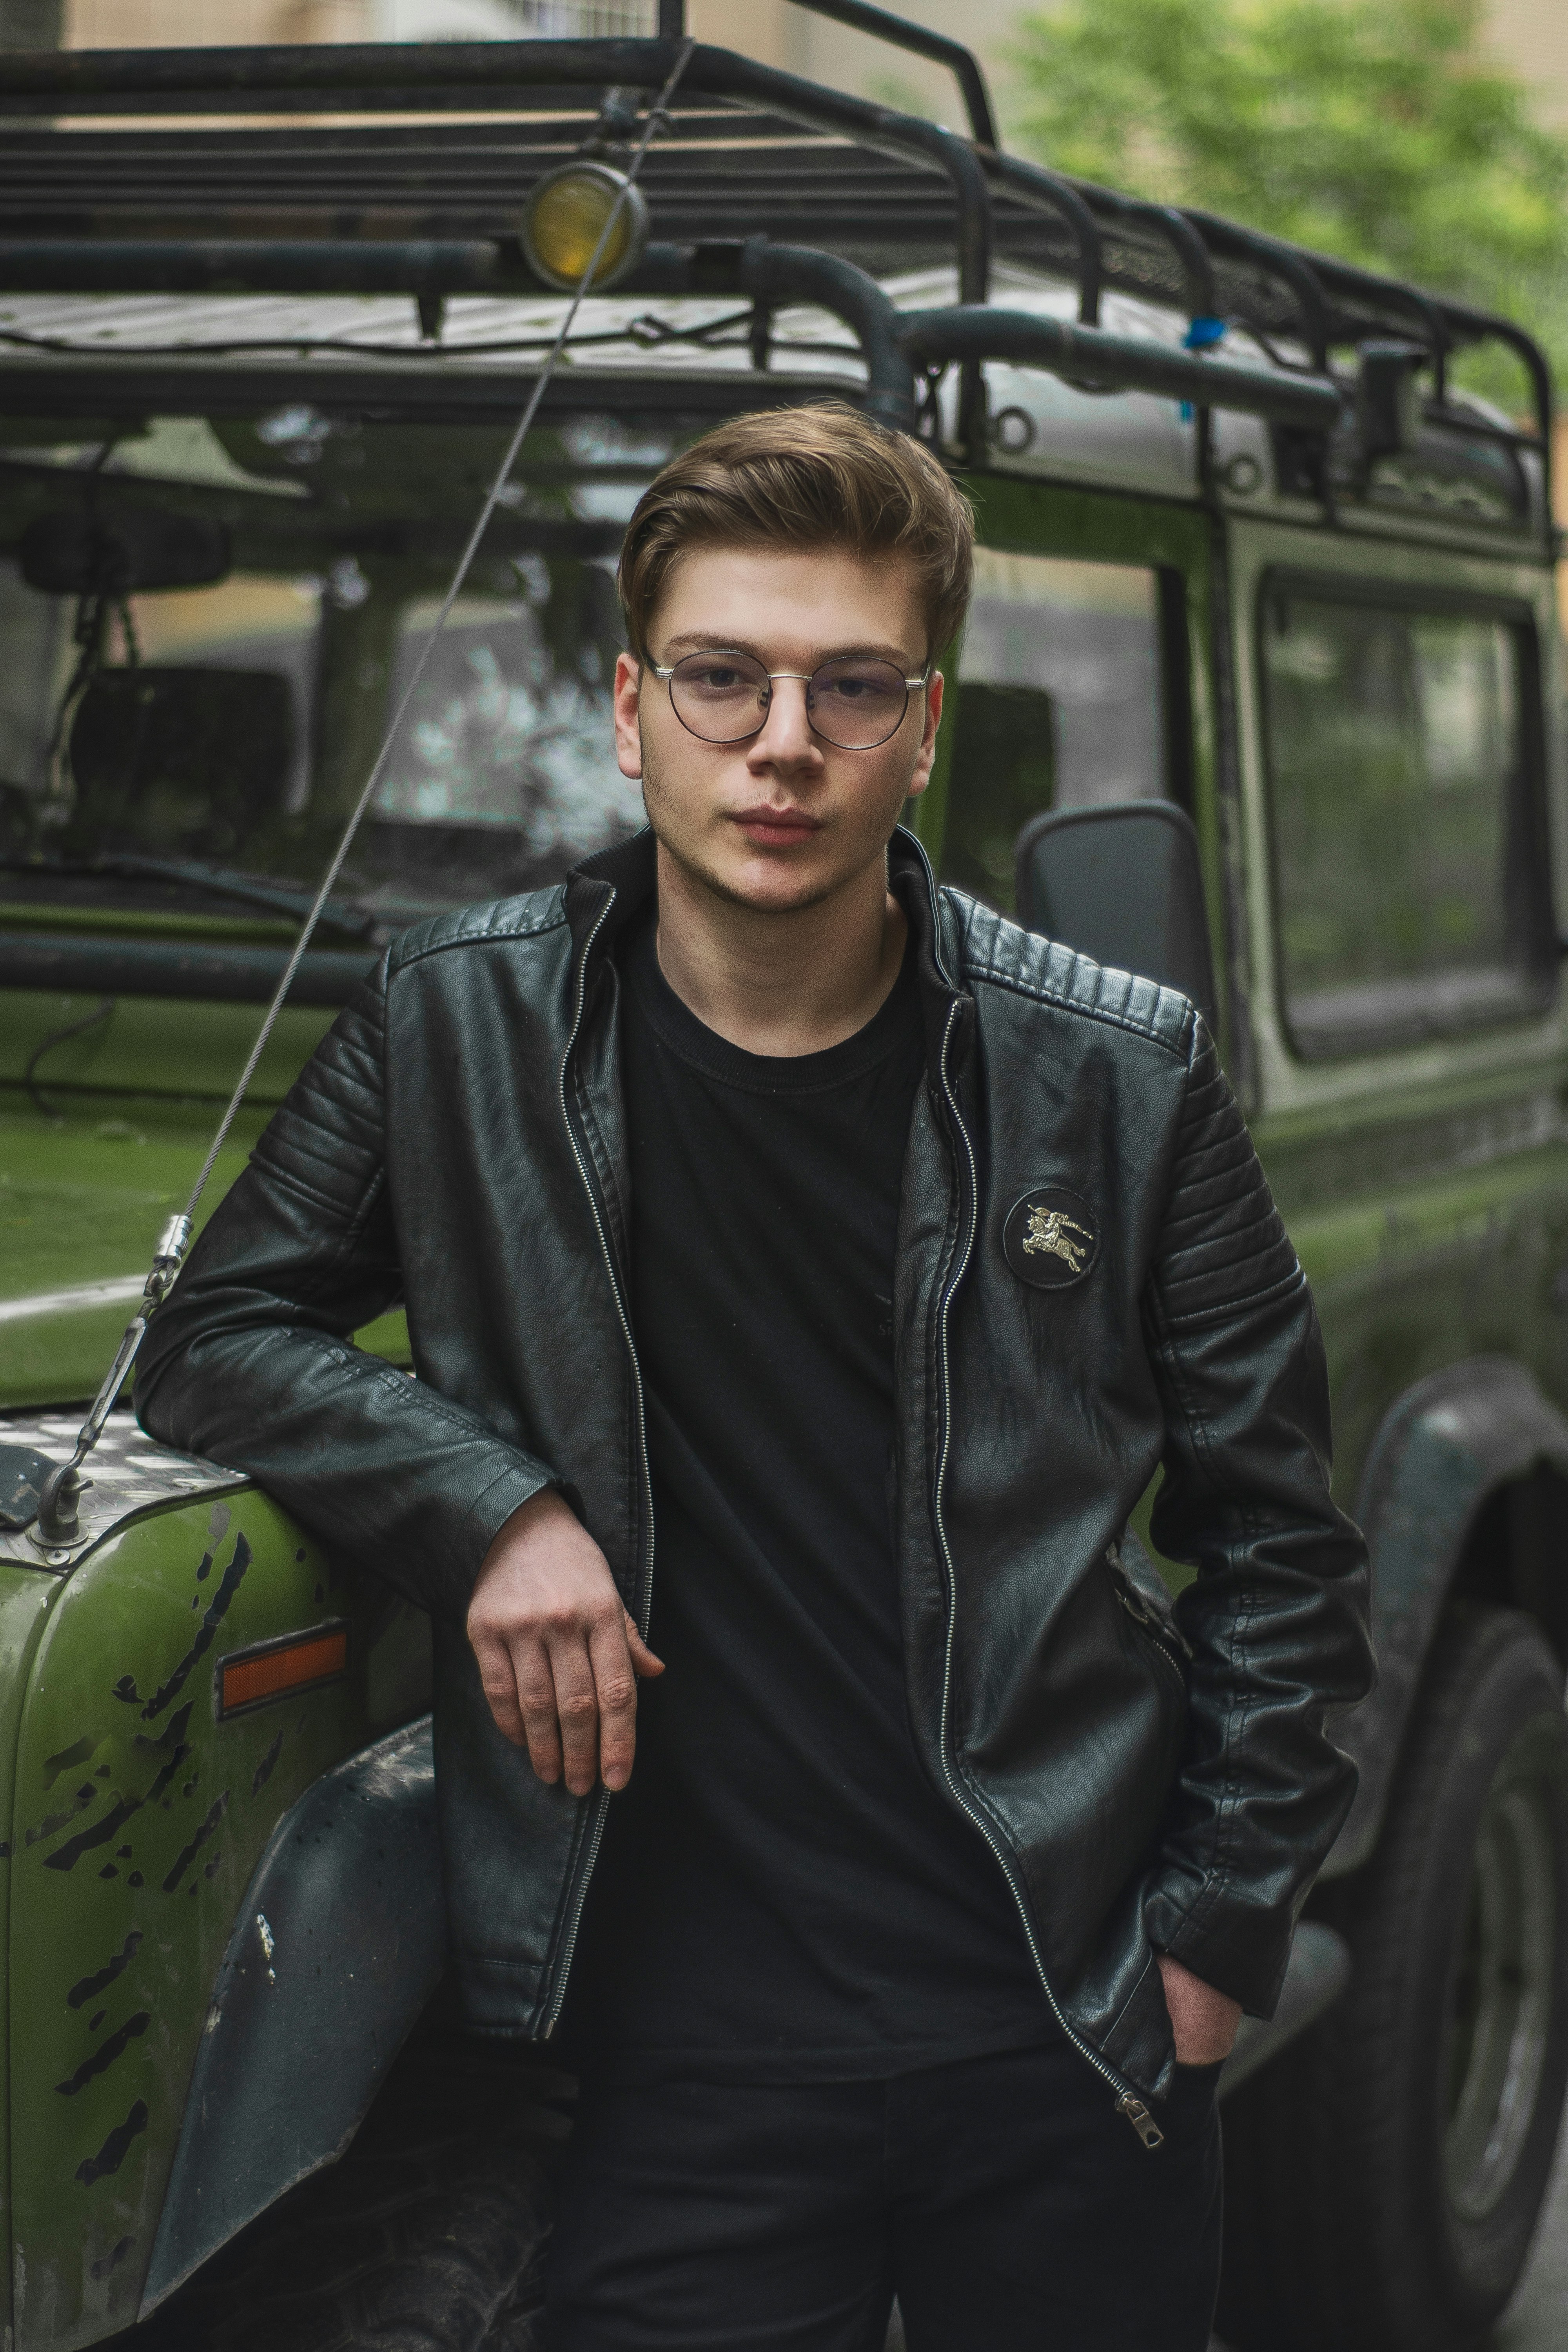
(1277, 1616)
(250, 1360)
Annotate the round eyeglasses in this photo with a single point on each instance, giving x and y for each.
(855, 702)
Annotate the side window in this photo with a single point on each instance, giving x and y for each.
(1058, 705)
(1410, 872)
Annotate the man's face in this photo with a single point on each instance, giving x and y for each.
(783, 819)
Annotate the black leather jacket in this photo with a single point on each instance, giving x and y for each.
(1148, 1780)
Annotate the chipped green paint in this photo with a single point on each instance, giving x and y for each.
(26, 1596)
(138, 1818)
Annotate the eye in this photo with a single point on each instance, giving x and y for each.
(864, 683)
(717, 676)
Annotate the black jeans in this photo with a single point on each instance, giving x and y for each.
(1003, 2200)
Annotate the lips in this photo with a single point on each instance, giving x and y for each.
(770, 828)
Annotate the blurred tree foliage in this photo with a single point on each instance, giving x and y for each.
(1373, 130)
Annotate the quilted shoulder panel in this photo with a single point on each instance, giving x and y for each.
(522, 917)
(991, 949)
(1223, 1241)
(326, 1138)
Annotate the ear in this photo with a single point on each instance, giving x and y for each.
(920, 777)
(628, 710)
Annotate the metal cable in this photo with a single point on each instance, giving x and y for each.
(57, 1521)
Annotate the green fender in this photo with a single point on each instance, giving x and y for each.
(140, 1813)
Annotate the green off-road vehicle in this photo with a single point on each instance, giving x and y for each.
(1259, 694)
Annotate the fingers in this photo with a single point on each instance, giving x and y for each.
(643, 1658)
(535, 1695)
(615, 1684)
(501, 1683)
(558, 1654)
(571, 1702)
(577, 1702)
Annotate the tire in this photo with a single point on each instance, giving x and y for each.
(429, 2236)
(1386, 2174)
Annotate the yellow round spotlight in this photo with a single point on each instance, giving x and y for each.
(565, 219)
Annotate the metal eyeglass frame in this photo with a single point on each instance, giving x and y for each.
(665, 674)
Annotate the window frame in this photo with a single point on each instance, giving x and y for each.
(1176, 688)
(1172, 645)
(1374, 593)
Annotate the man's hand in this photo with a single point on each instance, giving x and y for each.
(559, 1656)
(1205, 2021)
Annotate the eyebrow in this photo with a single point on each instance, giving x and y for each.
(709, 641)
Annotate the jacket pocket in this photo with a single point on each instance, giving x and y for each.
(1155, 1636)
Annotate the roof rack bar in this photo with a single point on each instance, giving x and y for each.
(883, 26)
(349, 77)
(1433, 333)
(1294, 271)
(720, 71)
(410, 75)
(1311, 277)
(108, 80)
(767, 273)
(775, 274)
(1088, 355)
(1484, 326)
(1053, 193)
(1197, 265)
(1173, 228)
(260, 266)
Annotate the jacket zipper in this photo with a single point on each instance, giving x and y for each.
(1128, 2103)
(645, 1593)
(1142, 1616)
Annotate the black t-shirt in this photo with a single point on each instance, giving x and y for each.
(780, 1891)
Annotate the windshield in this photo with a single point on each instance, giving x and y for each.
(215, 700)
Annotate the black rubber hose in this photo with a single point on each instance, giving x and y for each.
(775, 274)
(1088, 355)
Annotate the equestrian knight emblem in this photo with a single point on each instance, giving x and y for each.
(1049, 1235)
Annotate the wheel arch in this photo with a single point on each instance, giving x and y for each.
(1465, 1489)
(336, 1949)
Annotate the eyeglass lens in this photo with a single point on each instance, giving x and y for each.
(855, 703)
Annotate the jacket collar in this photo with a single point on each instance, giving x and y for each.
(619, 879)
(604, 891)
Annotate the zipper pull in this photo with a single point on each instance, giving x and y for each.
(1141, 2121)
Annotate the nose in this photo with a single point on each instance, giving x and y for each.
(785, 739)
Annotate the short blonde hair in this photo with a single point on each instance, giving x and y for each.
(817, 476)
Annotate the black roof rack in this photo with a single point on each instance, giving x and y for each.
(430, 206)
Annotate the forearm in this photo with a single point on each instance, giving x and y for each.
(1277, 1622)
(252, 1360)
(384, 1472)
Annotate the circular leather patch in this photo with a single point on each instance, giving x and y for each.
(1050, 1238)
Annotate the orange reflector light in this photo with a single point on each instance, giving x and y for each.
(274, 1669)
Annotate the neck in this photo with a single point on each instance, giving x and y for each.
(787, 983)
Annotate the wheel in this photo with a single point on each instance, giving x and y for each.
(429, 2236)
(1386, 2174)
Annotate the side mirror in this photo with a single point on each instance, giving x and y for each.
(1121, 884)
(92, 554)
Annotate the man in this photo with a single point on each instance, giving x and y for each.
(874, 1255)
